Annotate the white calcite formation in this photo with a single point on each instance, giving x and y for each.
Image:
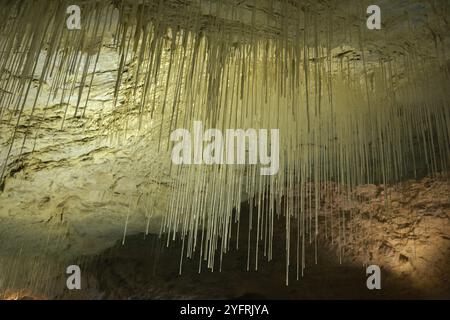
(86, 116)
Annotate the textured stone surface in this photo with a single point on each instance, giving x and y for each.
(78, 189)
(78, 185)
(405, 229)
(407, 236)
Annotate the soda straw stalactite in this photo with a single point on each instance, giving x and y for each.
(353, 106)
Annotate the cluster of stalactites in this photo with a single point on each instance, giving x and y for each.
(346, 113)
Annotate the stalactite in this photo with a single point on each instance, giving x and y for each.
(346, 112)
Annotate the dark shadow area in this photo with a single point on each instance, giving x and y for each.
(147, 269)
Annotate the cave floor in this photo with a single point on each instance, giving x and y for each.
(409, 241)
(146, 269)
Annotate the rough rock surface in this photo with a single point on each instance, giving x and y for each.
(78, 185)
(406, 233)
(77, 190)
